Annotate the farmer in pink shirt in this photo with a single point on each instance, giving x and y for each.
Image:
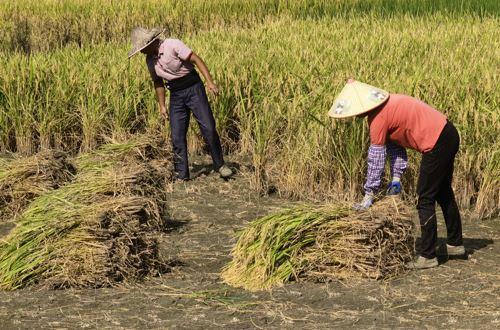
(172, 64)
(397, 122)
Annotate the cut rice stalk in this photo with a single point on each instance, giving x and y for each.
(321, 244)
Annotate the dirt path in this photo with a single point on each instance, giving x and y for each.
(206, 213)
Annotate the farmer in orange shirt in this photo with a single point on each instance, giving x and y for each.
(397, 122)
(172, 64)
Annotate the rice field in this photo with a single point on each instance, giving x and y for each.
(87, 201)
(65, 82)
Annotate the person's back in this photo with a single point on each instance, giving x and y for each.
(172, 61)
(406, 121)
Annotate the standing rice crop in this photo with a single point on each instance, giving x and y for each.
(278, 73)
(32, 26)
(322, 243)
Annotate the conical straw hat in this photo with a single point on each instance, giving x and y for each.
(357, 98)
(141, 38)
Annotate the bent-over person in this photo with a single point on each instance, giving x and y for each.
(172, 64)
(397, 122)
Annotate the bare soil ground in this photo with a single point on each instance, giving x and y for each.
(206, 214)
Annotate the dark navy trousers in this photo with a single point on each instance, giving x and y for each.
(182, 103)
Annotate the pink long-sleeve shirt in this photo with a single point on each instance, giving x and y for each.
(172, 61)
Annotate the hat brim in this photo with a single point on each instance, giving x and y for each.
(357, 98)
(138, 49)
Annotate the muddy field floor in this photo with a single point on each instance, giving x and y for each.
(206, 214)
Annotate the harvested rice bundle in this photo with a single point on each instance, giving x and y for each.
(322, 243)
(93, 232)
(24, 178)
(374, 244)
(139, 148)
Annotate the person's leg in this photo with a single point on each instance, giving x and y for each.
(434, 170)
(427, 189)
(197, 101)
(179, 123)
(446, 197)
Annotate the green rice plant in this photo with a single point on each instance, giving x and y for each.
(488, 197)
(322, 243)
(317, 156)
(30, 26)
(52, 102)
(277, 78)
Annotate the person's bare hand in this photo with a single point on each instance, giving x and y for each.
(212, 88)
(164, 114)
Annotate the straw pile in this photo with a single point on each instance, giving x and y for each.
(138, 148)
(98, 230)
(24, 178)
(321, 244)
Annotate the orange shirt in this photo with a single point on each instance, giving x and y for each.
(406, 121)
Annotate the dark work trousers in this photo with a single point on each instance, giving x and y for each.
(434, 185)
(182, 103)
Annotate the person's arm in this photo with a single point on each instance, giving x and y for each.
(196, 60)
(160, 96)
(398, 158)
(375, 172)
(158, 86)
(376, 162)
(399, 163)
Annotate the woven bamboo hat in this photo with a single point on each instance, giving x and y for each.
(141, 38)
(357, 98)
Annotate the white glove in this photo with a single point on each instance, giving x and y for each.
(365, 203)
